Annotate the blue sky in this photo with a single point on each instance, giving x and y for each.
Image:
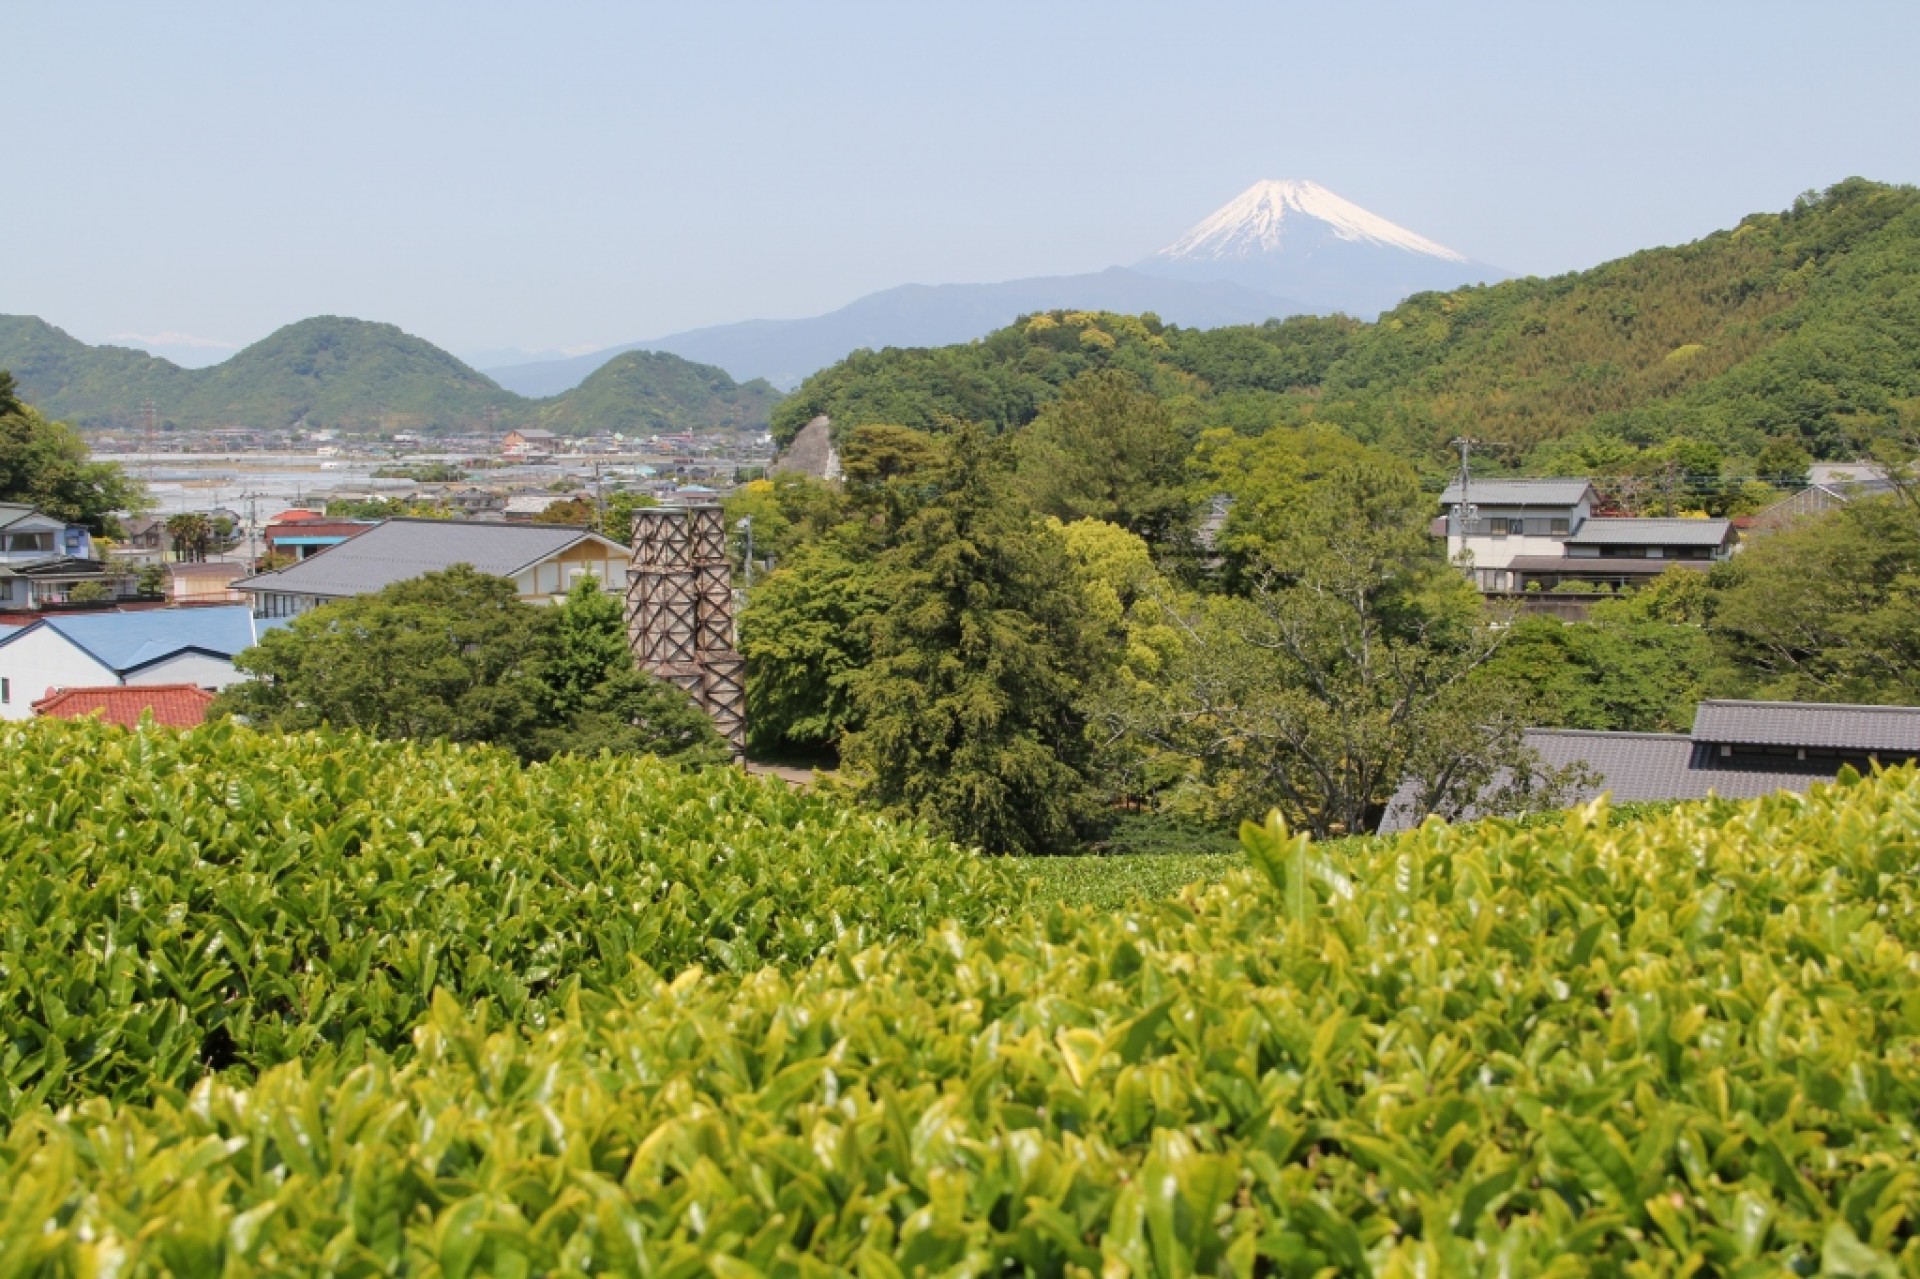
(576, 175)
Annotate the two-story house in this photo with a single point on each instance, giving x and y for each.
(1515, 536)
(42, 559)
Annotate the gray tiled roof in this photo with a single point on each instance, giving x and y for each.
(1858, 728)
(1632, 767)
(1599, 565)
(398, 549)
(1556, 492)
(1650, 532)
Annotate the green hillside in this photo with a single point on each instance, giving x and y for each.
(655, 391)
(331, 371)
(1794, 326)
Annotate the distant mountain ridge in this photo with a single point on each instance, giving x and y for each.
(1791, 330)
(1279, 248)
(332, 371)
(786, 351)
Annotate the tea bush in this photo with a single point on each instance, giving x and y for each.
(219, 899)
(1685, 1046)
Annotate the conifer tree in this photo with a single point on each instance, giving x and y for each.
(968, 706)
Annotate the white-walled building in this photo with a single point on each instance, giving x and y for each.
(92, 650)
(1515, 535)
(42, 559)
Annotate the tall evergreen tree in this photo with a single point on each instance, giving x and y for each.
(968, 706)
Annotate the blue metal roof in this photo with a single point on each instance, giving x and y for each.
(127, 641)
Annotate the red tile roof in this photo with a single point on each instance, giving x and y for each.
(317, 528)
(173, 705)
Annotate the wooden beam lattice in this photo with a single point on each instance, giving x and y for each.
(707, 534)
(680, 611)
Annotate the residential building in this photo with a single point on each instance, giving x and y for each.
(94, 650)
(1737, 750)
(1516, 536)
(147, 540)
(169, 705)
(42, 559)
(524, 508)
(1830, 485)
(301, 538)
(542, 560)
(206, 582)
(528, 442)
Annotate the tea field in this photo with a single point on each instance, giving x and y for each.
(1684, 1044)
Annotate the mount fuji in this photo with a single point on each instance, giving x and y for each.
(1276, 249)
(1300, 240)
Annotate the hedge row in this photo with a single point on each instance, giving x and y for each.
(224, 900)
(1690, 1045)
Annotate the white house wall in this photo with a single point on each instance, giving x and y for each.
(1498, 552)
(37, 663)
(546, 581)
(189, 668)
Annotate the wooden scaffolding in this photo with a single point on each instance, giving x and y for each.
(680, 611)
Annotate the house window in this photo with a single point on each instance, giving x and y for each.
(6, 691)
(1558, 526)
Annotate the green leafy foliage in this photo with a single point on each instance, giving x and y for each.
(805, 634)
(967, 708)
(1628, 676)
(1829, 610)
(223, 900)
(1679, 1046)
(45, 465)
(480, 666)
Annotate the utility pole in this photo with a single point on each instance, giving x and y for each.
(599, 503)
(1463, 510)
(146, 442)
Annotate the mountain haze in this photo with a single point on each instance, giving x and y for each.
(786, 351)
(331, 371)
(1277, 249)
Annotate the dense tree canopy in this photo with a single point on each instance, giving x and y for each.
(455, 655)
(1344, 669)
(46, 464)
(968, 705)
(1830, 610)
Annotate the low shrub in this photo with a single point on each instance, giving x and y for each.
(1686, 1045)
(221, 900)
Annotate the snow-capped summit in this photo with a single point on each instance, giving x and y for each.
(1259, 218)
(1300, 240)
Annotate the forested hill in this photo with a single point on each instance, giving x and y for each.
(336, 372)
(1791, 328)
(656, 391)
